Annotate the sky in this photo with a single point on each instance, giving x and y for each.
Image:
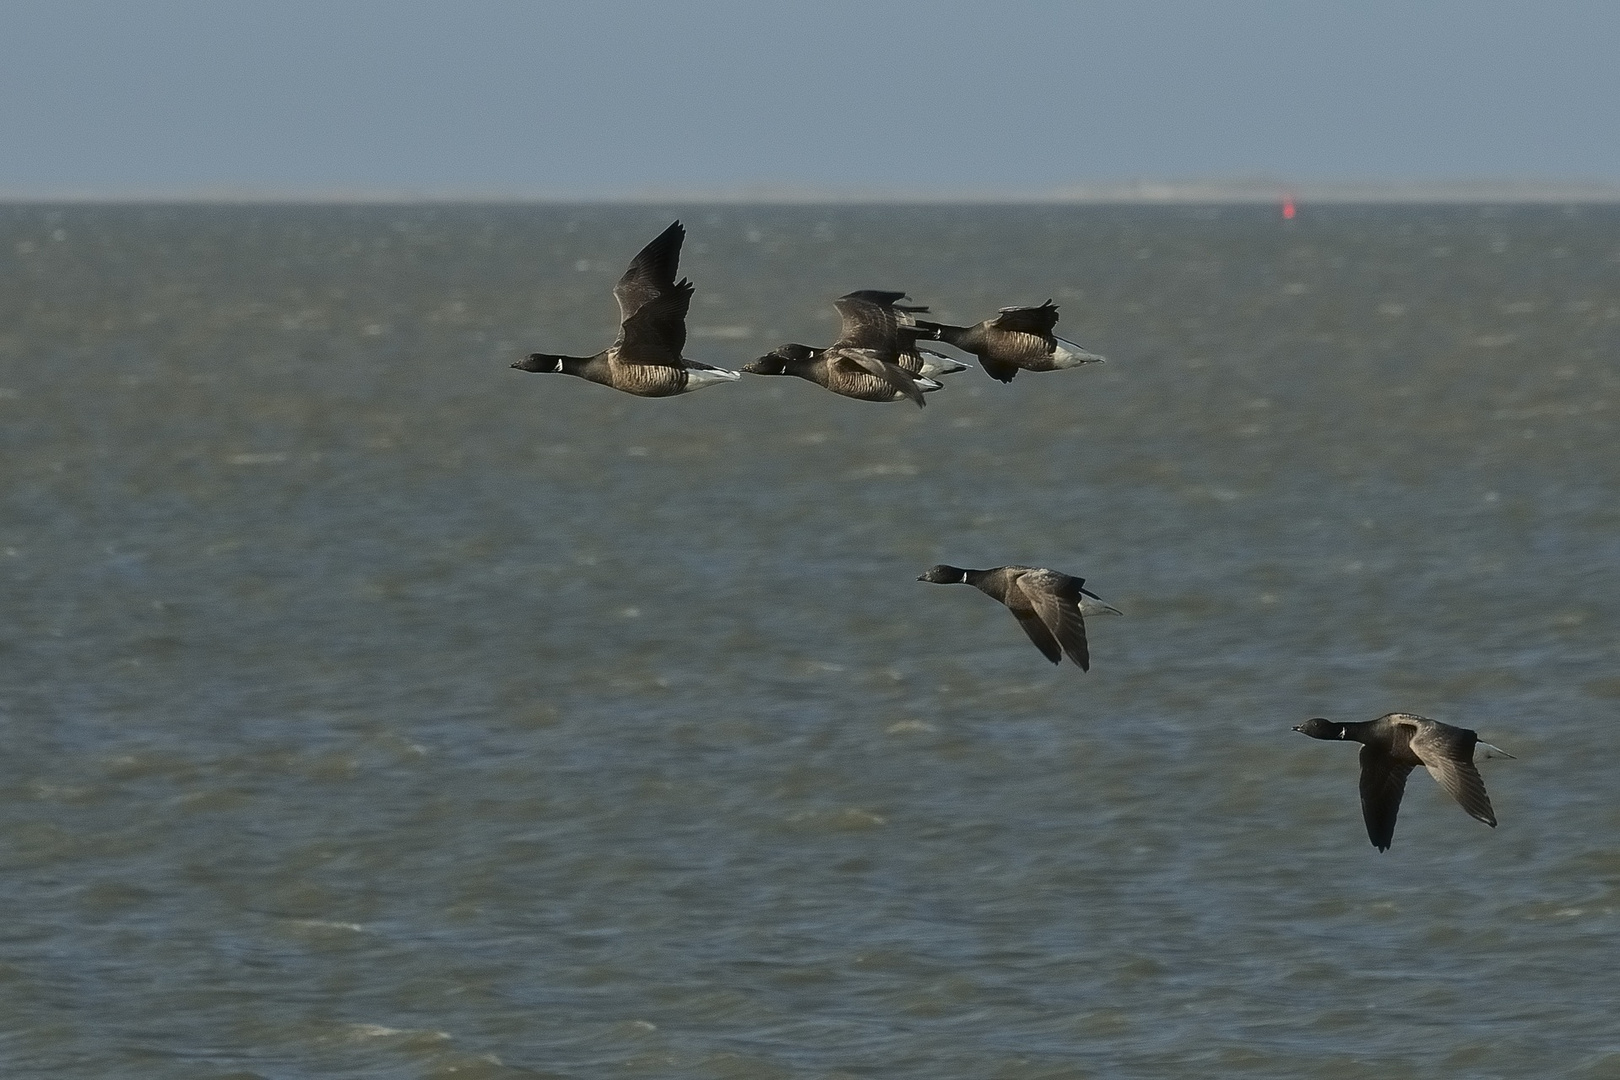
(613, 99)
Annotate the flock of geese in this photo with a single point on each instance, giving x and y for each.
(877, 358)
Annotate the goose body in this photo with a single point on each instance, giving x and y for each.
(645, 359)
(1395, 744)
(838, 370)
(1017, 339)
(1050, 605)
(874, 359)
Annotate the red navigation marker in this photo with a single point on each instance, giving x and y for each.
(1288, 208)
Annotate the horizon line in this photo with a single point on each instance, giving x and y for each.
(1128, 192)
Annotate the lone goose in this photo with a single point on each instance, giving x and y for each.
(645, 359)
(1018, 339)
(1392, 746)
(1048, 604)
(867, 362)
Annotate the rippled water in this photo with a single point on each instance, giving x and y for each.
(374, 710)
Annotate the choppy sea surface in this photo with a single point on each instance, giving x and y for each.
(371, 709)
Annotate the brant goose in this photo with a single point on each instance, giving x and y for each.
(645, 359)
(1395, 744)
(1049, 605)
(1018, 339)
(842, 371)
(874, 358)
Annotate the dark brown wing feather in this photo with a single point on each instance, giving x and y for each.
(1040, 635)
(651, 272)
(1056, 599)
(1448, 753)
(997, 370)
(1028, 320)
(1383, 782)
(656, 333)
(884, 297)
(868, 325)
(872, 362)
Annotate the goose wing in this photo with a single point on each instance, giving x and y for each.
(868, 325)
(873, 320)
(885, 298)
(1056, 600)
(1028, 320)
(873, 363)
(1383, 782)
(1448, 753)
(656, 332)
(1040, 635)
(651, 272)
(998, 370)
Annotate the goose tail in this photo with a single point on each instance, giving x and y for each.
(699, 375)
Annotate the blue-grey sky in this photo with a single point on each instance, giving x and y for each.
(604, 98)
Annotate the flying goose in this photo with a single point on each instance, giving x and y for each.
(1018, 339)
(869, 360)
(1048, 604)
(645, 359)
(842, 372)
(1395, 744)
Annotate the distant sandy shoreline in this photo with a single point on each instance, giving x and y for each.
(1140, 192)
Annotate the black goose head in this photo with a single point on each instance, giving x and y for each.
(1320, 728)
(777, 360)
(944, 575)
(540, 362)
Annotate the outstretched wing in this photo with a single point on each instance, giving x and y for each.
(1040, 635)
(651, 272)
(868, 325)
(997, 370)
(656, 333)
(885, 298)
(872, 320)
(1028, 320)
(1448, 753)
(1383, 782)
(1056, 599)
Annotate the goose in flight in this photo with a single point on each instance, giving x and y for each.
(1048, 604)
(645, 359)
(874, 358)
(844, 374)
(1018, 339)
(1395, 744)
